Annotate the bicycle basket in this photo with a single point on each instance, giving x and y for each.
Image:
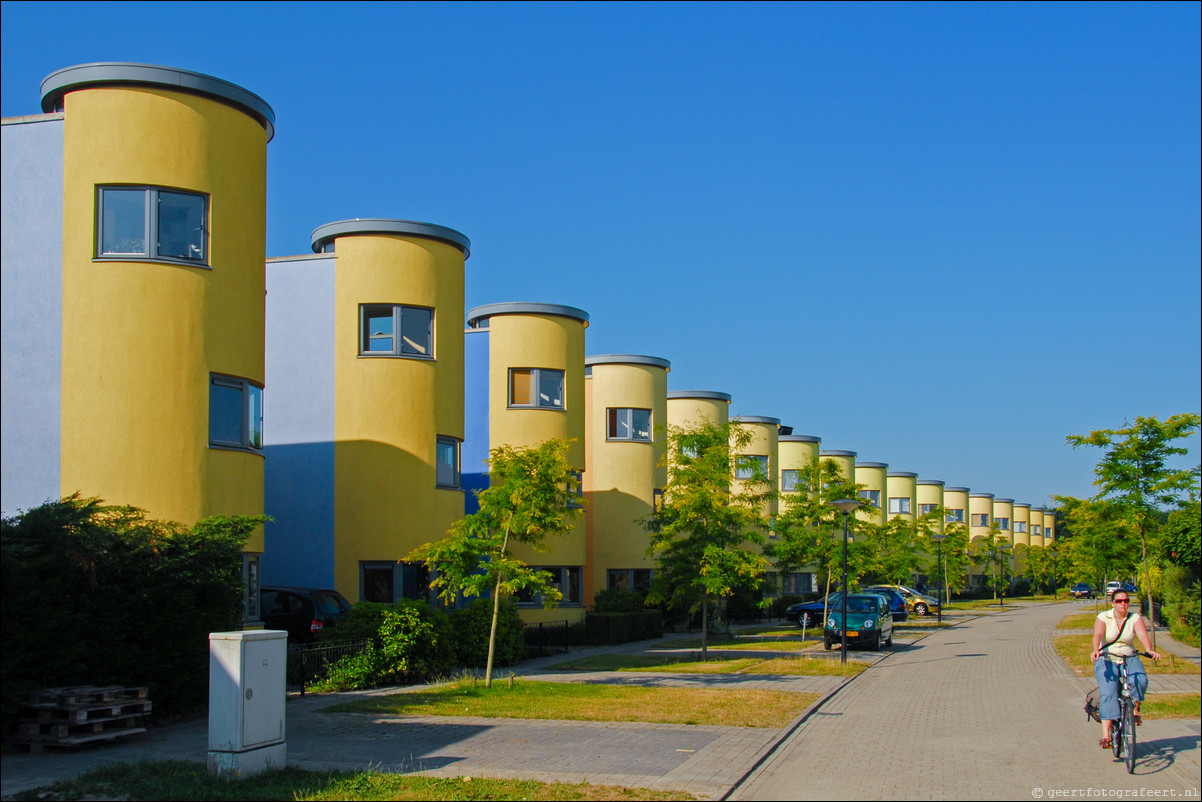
(1091, 706)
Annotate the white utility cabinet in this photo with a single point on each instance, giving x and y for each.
(247, 693)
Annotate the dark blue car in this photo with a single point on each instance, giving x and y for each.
(808, 614)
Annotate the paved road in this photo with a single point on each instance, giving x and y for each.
(985, 710)
(981, 710)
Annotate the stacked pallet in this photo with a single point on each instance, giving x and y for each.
(80, 714)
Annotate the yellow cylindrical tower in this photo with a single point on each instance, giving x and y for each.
(796, 453)
(535, 393)
(688, 408)
(874, 477)
(1037, 527)
(902, 492)
(1021, 524)
(762, 448)
(955, 501)
(626, 409)
(846, 460)
(164, 225)
(980, 515)
(929, 494)
(1049, 526)
(398, 393)
(1003, 513)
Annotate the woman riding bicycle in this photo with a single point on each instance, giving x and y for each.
(1114, 634)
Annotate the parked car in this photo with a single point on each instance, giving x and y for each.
(809, 614)
(302, 612)
(869, 621)
(918, 603)
(1082, 590)
(897, 601)
(1115, 584)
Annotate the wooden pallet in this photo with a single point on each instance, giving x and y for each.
(80, 714)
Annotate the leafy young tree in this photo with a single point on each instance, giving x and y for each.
(1134, 473)
(956, 559)
(706, 534)
(993, 552)
(529, 498)
(894, 556)
(1103, 545)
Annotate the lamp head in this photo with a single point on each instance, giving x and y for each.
(845, 505)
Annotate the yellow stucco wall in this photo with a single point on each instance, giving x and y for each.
(140, 338)
(539, 341)
(979, 504)
(1036, 520)
(688, 412)
(846, 460)
(900, 485)
(926, 493)
(389, 411)
(764, 442)
(794, 455)
(1049, 527)
(1022, 513)
(874, 477)
(621, 476)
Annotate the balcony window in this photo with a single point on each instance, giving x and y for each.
(873, 497)
(751, 467)
(1002, 523)
(980, 519)
(955, 515)
(447, 463)
(396, 330)
(899, 505)
(790, 480)
(152, 223)
(1020, 526)
(628, 424)
(926, 509)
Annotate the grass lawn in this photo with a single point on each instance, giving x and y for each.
(1172, 705)
(1075, 649)
(688, 664)
(529, 699)
(1078, 621)
(154, 780)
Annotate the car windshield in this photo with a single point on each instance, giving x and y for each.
(855, 605)
(330, 604)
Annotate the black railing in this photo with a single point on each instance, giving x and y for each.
(310, 662)
(546, 636)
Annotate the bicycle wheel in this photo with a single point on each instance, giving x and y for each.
(1129, 735)
(1116, 735)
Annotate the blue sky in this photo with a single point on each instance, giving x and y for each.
(943, 236)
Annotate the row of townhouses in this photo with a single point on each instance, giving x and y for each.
(142, 322)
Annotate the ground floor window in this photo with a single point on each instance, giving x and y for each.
(795, 582)
(629, 579)
(377, 582)
(565, 578)
(250, 585)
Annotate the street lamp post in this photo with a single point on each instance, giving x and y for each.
(939, 558)
(845, 506)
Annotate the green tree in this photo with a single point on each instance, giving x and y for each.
(707, 533)
(529, 498)
(1134, 474)
(993, 552)
(956, 559)
(892, 551)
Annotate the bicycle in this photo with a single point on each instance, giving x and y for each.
(1122, 729)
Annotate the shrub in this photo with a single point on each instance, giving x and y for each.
(471, 625)
(407, 642)
(99, 595)
(619, 601)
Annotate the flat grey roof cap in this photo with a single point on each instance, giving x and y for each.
(755, 419)
(836, 453)
(709, 395)
(903, 474)
(980, 495)
(116, 73)
(627, 359)
(955, 489)
(1004, 500)
(1022, 504)
(800, 438)
(378, 225)
(939, 482)
(474, 316)
(872, 464)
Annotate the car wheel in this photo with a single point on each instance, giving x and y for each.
(889, 641)
(921, 609)
(876, 643)
(826, 644)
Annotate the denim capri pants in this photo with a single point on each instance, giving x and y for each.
(1107, 675)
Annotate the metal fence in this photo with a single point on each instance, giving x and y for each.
(546, 636)
(310, 662)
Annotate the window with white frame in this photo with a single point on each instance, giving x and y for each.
(1036, 529)
(628, 424)
(926, 509)
(152, 223)
(396, 330)
(1002, 523)
(899, 505)
(751, 466)
(1020, 526)
(235, 413)
(955, 515)
(447, 462)
(790, 480)
(980, 519)
(629, 578)
(536, 388)
(873, 497)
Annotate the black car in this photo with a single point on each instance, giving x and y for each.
(897, 602)
(302, 612)
(1082, 590)
(814, 609)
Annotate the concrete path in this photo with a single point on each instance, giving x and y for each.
(981, 710)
